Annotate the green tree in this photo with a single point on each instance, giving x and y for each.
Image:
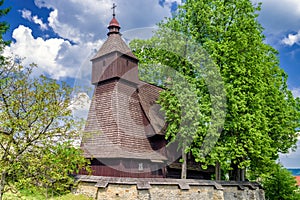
(192, 83)
(4, 26)
(35, 129)
(280, 185)
(261, 114)
(51, 171)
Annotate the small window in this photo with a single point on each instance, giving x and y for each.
(141, 168)
(127, 62)
(103, 62)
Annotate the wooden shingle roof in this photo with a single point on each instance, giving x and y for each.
(114, 43)
(124, 120)
(148, 95)
(118, 125)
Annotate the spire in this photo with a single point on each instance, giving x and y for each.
(114, 26)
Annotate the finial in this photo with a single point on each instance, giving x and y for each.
(114, 26)
(113, 8)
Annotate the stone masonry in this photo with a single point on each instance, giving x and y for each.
(110, 188)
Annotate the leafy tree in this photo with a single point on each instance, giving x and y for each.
(4, 26)
(170, 60)
(280, 185)
(51, 171)
(35, 129)
(173, 98)
(261, 114)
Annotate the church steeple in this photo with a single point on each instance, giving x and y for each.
(119, 138)
(114, 59)
(114, 26)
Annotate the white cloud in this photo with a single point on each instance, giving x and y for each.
(26, 14)
(296, 92)
(169, 2)
(292, 159)
(39, 51)
(38, 21)
(56, 57)
(63, 29)
(278, 16)
(82, 21)
(82, 27)
(292, 39)
(80, 105)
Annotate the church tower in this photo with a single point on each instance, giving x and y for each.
(114, 59)
(122, 135)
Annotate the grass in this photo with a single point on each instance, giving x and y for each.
(27, 195)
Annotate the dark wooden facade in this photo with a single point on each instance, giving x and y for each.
(121, 138)
(127, 168)
(124, 132)
(115, 65)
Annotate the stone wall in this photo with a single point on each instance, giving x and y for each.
(108, 188)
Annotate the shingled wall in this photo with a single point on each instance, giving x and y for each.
(109, 188)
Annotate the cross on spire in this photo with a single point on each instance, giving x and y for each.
(113, 8)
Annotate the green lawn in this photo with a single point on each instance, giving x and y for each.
(36, 196)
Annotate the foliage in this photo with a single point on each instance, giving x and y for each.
(51, 172)
(4, 26)
(192, 84)
(280, 185)
(32, 194)
(37, 130)
(262, 115)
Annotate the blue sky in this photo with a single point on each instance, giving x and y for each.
(62, 35)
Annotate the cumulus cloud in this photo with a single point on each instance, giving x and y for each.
(292, 39)
(82, 21)
(55, 57)
(279, 16)
(39, 51)
(26, 14)
(81, 27)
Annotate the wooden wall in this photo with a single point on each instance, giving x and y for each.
(126, 168)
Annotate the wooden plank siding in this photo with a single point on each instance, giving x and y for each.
(126, 168)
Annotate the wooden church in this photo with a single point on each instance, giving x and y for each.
(124, 136)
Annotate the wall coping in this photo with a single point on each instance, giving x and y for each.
(183, 184)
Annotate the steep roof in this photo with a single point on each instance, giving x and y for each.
(148, 95)
(124, 120)
(118, 126)
(114, 43)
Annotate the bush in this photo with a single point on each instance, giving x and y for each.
(281, 185)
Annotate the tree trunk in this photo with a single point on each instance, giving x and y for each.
(2, 184)
(234, 173)
(218, 171)
(243, 174)
(237, 174)
(183, 165)
(46, 191)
